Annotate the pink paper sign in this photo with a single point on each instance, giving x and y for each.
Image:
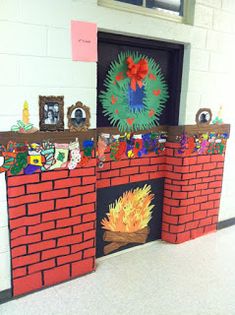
(84, 41)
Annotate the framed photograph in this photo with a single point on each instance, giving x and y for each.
(203, 116)
(78, 117)
(51, 113)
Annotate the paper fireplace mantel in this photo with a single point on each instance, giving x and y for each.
(52, 215)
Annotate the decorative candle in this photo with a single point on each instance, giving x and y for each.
(220, 113)
(25, 113)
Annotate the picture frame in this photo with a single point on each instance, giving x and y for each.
(203, 116)
(78, 117)
(51, 113)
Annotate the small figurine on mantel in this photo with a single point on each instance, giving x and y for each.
(218, 119)
(24, 126)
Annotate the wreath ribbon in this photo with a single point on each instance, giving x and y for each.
(136, 72)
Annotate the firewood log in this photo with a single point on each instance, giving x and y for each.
(126, 237)
(120, 239)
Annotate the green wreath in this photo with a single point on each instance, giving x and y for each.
(136, 92)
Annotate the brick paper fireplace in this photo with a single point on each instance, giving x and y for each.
(52, 215)
(52, 223)
(192, 194)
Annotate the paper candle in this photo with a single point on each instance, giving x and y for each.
(220, 113)
(25, 114)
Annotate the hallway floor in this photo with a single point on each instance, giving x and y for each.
(197, 277)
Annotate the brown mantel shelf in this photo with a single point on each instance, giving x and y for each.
(67, 136)
(190, 130)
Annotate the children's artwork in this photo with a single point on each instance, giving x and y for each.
(136, 92)
(51, 110)
(45, 156)
(7, 157)
(129, 145)
(35, 159)
(61, 156)
(21, 159)
(84, 41)
(48, 151)
(75, 155)
(205, 143)
(128, 215)
(24, 126)
(88, 146)
(102, 144)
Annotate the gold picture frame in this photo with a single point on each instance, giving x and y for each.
(78, 117)
(203, 117)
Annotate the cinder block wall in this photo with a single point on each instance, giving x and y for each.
(35, 58)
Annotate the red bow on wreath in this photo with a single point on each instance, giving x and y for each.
(136, 72)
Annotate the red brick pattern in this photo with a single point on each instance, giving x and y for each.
(126, 171)
(52, 214)
(192, 188)
(192, 193)
(52, 226)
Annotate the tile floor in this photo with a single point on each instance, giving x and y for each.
(197, 277)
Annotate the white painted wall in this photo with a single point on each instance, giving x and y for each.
(35, 58)
(5, 270)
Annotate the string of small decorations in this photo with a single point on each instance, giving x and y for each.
(46, 156)
(205, 143)
(29, 158)
(129, 145)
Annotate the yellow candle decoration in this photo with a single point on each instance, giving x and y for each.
(25, 113)
(220, 113)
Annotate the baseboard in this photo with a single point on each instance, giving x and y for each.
(5, 296)
(225, 223)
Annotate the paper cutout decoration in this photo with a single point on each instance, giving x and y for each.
(24, 126)
(61, 155)
(25, 113)
(219, 118)
(206, 143)
(102, 144)
(20, 163)
(75, 155)
(48, 151)
(84, 41)
(128, 218)
(7, 157)
(35, 159)
(136, 92)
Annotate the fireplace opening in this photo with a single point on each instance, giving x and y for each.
(128, 215)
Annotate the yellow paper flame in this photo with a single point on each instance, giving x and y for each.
(131, 212)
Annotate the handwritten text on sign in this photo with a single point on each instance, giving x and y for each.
(84, 41)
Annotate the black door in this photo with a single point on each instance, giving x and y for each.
(169, 56)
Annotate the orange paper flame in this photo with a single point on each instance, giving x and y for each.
(131, 212)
